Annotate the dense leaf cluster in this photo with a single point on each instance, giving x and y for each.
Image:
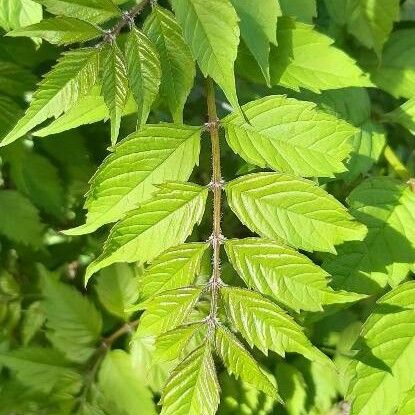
(246, 244)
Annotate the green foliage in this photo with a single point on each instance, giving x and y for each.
(59, 31)
(281, 206)
(273, 139)
(247, 212)
(175, 59)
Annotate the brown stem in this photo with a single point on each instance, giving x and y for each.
(127, 19)
(126, 328)
(216, 187)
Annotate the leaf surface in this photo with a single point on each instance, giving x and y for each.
(211, 30)
(164, 221)
(240, 363)
(114, 86)
(144, 72)
(59, 31)
(387, 208)
(175, 268)
(74, 75)
(167, 310)
(192, 388)
(265, 325)
(177, 65)
(280, 206)
(129, 176)
(290, 135)
(385, 368)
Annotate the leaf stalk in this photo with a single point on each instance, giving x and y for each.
(216, 186)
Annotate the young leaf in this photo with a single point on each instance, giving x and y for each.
(93, 11)
(279, 271)
(385, 368)
(210, 28)
(171, 344)
(265, 325)
(88, 109)
(144, 72)
(386, 255)
(120, 384)
(43, 370)
(175, 268)
(306, 58)
(280, 206)
(176, 61)
(26, 227)
(372, 22)
(193, 387)
(153, 155)
(117, 289)
(167, 310)
(407, 406)
(74, 324)
(114, 86)
(158, 224)
(258, 27)
(73, 77)
(240, 363)
(397, 63)
(18, 13)
(59, 31)
(290, 135)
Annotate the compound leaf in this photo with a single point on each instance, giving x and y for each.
(114, 86)
(258, 27)
(144, 72)
(279, 271)
(385, 368)
(59, 31)
(177, 65)
(211, 29)
(175, 268)
(387, 208)
(93, 11)
(192, 388)
(265, 325)
(281, 206)
(167, 310)
(151, 156)
(73, 77)
(307, 59)
(239, 362)
(164, 221)
(290, 135)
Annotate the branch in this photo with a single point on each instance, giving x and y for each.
(216, 186)
(127, 19)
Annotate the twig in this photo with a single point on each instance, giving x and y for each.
(127, 19)
(216, 185)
